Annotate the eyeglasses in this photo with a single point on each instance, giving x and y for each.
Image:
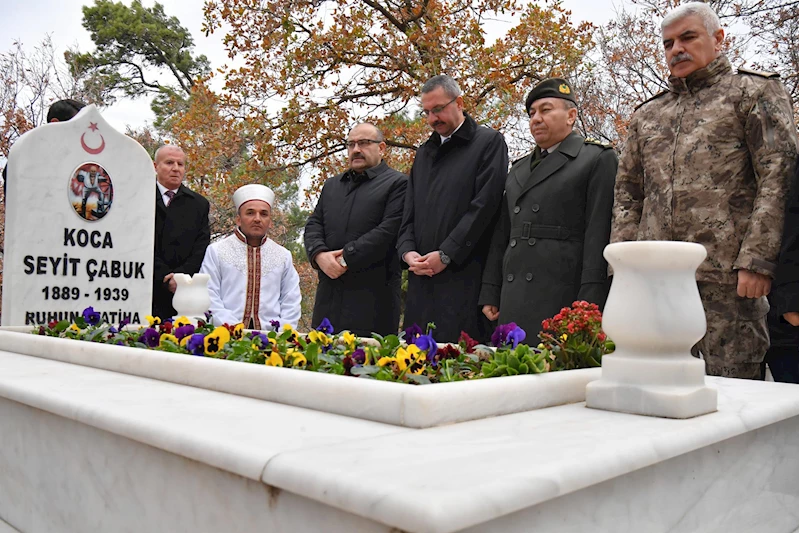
(436, 110)
(363, 143)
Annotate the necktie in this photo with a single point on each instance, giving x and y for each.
(544, 153)
(170, 195)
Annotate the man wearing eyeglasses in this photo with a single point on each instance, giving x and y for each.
(454, 192)
(351, 236)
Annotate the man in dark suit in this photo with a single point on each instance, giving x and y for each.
(546, 251)
(351, 237)
(181, 228)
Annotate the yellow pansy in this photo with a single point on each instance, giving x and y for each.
(74, 327)
(238, 331)
(298, 359)
(152, 320)
(181, 321)
(216, 340)
(319, 337)
(274, 360)
(564, 337)
(383, 361)
(287, 327)
(185, 340)
(167, 337)
(349, 338)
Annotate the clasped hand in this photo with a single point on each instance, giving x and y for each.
(328, 262)
(424, 265)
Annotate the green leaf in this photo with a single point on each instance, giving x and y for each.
(418, 379)
(364, 370)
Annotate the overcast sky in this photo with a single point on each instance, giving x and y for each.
(29, 21)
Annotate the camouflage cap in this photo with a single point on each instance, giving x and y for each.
(550, 88)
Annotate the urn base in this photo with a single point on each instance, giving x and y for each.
(664, 386)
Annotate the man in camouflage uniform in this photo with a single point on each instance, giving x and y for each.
(708, 161)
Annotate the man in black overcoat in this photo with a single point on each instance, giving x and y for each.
(783, 318)
(181, 228)
(452, 203)
(546, 251)
(351, 236)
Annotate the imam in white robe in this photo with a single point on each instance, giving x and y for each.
(248, 282)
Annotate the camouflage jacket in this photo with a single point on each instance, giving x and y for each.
(708, 161)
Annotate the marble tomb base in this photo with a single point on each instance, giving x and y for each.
(86, 449)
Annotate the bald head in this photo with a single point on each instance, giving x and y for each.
(170, 166)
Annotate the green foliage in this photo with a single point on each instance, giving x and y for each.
(520, 360)
(132, 40)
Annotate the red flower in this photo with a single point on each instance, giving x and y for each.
(467, 342)
(447, 352)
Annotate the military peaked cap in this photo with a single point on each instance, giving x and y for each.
(550, 88)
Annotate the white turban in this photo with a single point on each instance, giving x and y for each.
(253, 191)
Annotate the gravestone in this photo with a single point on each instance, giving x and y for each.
(80, 217)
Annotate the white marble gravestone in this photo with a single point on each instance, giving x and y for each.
(80, 215)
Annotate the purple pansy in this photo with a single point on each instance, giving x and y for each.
(184, 331)
(516, 336)
(412, 333)
(507, 333)
(112, 329)
(91, 316)
(426, 343)
(325, 326)
(359, 356)
(275, 324)
(264, 338)
(196, 344)
(150, 337)
(124, 322)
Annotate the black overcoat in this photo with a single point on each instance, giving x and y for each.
(784, 296)
(546, 251)
(181, 236)
(453, 198)
(362, 219)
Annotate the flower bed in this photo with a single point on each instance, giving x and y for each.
(381, 394)
(572, 339)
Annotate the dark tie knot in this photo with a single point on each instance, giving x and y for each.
(170, 195)
(544, 154)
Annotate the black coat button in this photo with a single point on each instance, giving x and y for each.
(510, 277)
(468, 243)
(529, 277)
(535, 208)
(350, 248)
(517, 209)
(512, 243)
(531, 242)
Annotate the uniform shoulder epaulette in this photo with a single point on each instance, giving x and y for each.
(761, 73)
(597, 143)
(658, 95)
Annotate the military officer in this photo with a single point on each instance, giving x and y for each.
(546, 250)
(708, 161)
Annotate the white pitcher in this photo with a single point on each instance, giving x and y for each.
(191, 296)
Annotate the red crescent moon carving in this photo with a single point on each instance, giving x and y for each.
(93, 151)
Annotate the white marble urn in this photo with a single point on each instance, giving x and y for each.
(654, 315)
(191, 296)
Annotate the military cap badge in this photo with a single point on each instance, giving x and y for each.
(564, 89)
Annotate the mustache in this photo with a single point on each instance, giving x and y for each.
(685, 56)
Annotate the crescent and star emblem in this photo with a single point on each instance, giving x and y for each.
(86, 147)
